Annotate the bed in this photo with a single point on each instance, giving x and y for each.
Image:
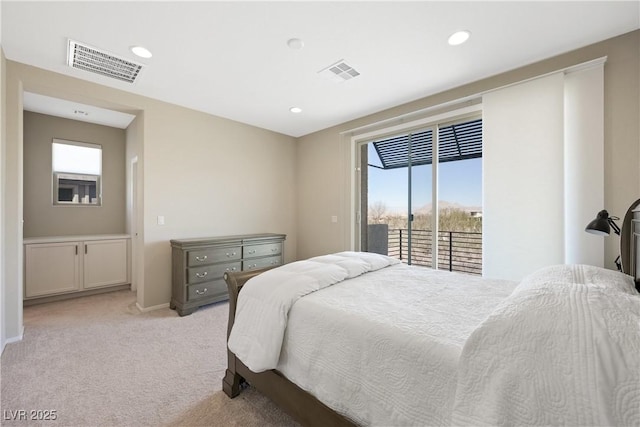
(361, 339)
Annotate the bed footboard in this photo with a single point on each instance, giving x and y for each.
(233, 381)
(301, 405)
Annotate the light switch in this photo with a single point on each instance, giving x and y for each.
(160, 219)
(334, 218)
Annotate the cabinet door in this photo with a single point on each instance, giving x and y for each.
(105, 263)
(52, 268)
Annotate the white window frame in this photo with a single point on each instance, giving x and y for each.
(90, 179)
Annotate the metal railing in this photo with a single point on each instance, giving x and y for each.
(457, 250)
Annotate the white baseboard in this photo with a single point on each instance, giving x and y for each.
(152, 308)
(12, 340)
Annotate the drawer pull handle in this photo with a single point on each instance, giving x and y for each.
(274, 249)
(201, 292)
(231, 254)
(231, 269)
(201, 275)
(274, 262)
(204, 258)
(252, 251)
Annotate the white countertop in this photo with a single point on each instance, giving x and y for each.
(84, 238)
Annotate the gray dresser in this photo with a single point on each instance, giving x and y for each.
(199, 264)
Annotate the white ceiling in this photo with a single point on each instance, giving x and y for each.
(75, 111)
(231, 59)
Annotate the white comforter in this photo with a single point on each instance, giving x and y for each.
(264, 303)
(383, 348)
(414, 346)
(564, 349)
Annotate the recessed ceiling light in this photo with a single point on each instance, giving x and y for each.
(141, 52)
(295, 110)
(295, 43)
(459, 37)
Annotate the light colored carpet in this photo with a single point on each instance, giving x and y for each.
(98, 361)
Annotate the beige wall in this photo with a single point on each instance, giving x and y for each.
(41, 217)
(324, 181)
(209, 176)
(206, 175)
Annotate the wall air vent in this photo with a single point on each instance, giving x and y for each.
(339, 72)
(88, 58)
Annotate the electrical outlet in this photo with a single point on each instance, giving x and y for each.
(334, 218)
(160, 219)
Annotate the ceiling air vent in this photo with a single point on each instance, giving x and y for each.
(339, 72)
(88, 58)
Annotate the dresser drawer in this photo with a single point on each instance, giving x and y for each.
(254, 251)
(211, 272)
(206, 290)
(208, 256)
(271, 261)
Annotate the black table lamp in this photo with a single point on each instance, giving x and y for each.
(602, 226)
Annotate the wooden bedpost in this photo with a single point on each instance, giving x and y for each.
(232, 381)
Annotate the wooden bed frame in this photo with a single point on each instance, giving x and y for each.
(298, 403)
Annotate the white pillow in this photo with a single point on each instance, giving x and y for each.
(580, 274)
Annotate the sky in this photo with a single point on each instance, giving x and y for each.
(459, 182)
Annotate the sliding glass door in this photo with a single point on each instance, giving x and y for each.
(419, 200)
(401, 212)
(396, 195)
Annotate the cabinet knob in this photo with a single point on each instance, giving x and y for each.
(201, 292)
(201, 275)
(202, 258)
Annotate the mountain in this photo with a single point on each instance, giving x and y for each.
(443, 204)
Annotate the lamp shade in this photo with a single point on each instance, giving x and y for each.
(600, 225)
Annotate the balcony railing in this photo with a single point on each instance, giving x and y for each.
(457, 250)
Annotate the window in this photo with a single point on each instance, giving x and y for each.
(77, 173)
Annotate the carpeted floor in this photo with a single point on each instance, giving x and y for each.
(98, 361)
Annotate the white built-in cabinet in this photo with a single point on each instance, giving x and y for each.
(105, 263)
(56, 266)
